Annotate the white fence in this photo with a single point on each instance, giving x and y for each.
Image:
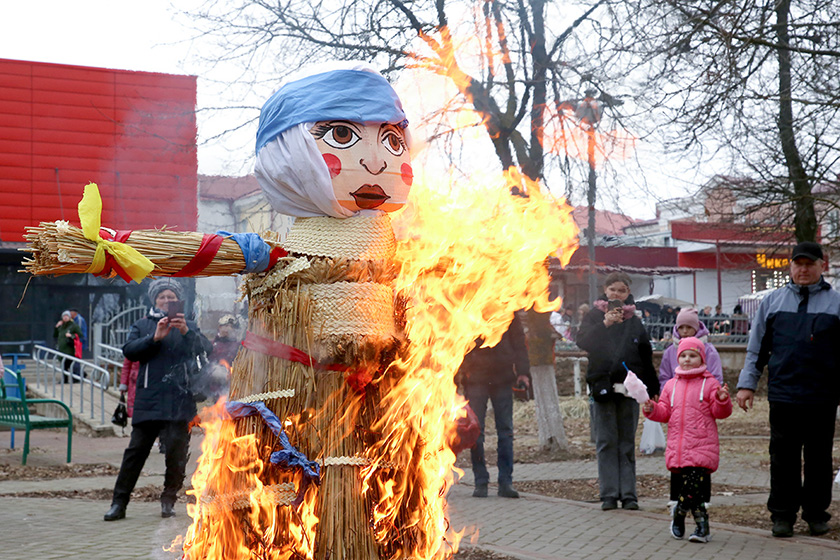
(81, 386)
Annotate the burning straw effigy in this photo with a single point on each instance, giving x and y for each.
(336, 440)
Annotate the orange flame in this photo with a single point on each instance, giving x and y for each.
(469, 259)
(227, 480)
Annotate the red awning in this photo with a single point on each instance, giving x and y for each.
(634, 260)
(724, 232)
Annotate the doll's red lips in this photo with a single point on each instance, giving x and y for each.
(368, 197)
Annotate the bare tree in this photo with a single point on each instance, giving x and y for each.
(516, 74)
(751, 81)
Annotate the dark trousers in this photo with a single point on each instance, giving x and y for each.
(502, 398)
(615, 424)
(705, 489)
(175, 436)
(695, 488)
(794, 429)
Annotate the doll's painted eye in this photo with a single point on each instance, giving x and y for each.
(393, 142)
(341, 137)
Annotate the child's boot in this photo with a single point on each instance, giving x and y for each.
(701, 533)
(678, 522)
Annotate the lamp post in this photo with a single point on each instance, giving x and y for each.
(588, 113)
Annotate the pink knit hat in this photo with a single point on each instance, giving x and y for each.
(691, 343)
(688, 317)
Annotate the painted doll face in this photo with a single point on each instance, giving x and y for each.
(369, 164)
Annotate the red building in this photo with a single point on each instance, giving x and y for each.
(132, 133)
(61, 127)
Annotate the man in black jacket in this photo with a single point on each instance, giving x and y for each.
(490, 374)
(166, 347)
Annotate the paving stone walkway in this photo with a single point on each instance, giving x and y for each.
(531, 528)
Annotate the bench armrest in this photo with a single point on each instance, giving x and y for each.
(51, 401)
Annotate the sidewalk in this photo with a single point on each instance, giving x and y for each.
(531, 528)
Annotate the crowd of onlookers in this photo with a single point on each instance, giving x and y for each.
(659, 322)
(169, 366)
(791, 336)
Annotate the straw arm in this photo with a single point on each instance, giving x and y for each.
(58, 248)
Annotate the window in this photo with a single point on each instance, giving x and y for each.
(763, 279)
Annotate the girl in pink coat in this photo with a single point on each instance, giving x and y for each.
(691, 403)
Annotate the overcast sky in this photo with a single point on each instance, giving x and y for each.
(149, 36)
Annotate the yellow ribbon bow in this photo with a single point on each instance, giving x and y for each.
(128, 258)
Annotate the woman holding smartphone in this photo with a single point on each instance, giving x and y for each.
(166, 345)
(615, 339)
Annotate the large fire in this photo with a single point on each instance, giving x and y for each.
(468, 258)
(469, 254)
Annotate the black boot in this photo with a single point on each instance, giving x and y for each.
(701, 533)
(678, 522)
(117, 511)
(507, 491)
(167, 509)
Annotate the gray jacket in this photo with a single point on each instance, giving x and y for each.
(799, 346)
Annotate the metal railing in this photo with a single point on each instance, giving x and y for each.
(82, 381)
(724, 330)
(110, 358)
(110, 336)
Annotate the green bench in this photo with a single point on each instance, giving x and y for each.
(14, 412)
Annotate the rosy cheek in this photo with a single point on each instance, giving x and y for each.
(407, 174)
(333, 164)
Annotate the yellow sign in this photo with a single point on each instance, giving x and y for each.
(771, 262)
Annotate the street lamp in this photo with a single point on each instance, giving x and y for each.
(588, 112)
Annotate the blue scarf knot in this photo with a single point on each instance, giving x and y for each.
(289, 456)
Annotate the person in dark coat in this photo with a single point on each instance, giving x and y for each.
(164, 405)
(65, 334)
(490, 374)
(615, 339)
(227, 342)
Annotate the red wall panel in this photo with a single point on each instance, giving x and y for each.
(133, 133)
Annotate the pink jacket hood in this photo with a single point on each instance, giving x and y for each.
(689, 405)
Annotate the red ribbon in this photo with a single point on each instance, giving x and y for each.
(276, 254)
(210, 244)
(357, 380)
(277, 349)
(120, 236)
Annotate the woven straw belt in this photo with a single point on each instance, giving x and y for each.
(356, 461)
(278, 494)
(352, 308)
(283, 494)
(357, 238)
(281, 394)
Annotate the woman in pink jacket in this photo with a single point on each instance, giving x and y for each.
(691, 403)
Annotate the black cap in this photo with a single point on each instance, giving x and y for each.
(808, 250)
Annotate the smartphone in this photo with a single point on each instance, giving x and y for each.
(174, 308)
(613, 304)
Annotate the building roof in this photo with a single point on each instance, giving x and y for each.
(606, 222)
(649, 261)
(217, 187)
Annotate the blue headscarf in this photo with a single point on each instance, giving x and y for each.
(289, 166)
(351, 95)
